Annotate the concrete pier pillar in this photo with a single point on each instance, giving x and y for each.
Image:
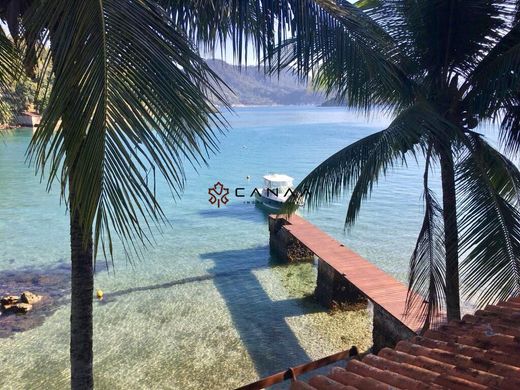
(333, 288)
(284, 245)
(387, 330)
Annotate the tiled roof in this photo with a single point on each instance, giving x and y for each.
(482, 351)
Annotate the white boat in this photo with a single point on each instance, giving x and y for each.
(276, 190)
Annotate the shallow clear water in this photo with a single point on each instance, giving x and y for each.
(207, 308)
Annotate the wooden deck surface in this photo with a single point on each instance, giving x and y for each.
(378, 286)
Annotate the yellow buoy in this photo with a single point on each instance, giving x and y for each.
(99, 294)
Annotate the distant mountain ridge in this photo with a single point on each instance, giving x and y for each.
(252, 87)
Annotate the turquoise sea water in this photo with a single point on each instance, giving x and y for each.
(207, 308)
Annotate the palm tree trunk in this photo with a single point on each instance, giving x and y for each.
(82, 286)
(451, 234)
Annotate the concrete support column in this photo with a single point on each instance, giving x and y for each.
(387, 330)
(333, 288)
(284, 245)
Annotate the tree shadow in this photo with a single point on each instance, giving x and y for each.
(241, 211)
(260, 321)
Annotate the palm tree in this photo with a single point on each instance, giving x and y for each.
(8, 67)
(130, 92)
(458, 65)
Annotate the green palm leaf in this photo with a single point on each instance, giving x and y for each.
(356, 63)
(328, 37)
(9, 71)
(130, 93)
(359, 166)
(510, 126)
(495, 81)
(490, 223)
(442, 37)
(367, 4)
(266, 23)
(426, 278)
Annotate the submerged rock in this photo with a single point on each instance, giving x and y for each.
(30, 298)
(13, 304)
(45, 288)
(17, 308)
(9, 300)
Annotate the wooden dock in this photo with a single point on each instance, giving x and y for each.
(482, 351)
(383, 290)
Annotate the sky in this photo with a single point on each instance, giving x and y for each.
(227, 54)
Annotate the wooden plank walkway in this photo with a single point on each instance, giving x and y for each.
(375, 284)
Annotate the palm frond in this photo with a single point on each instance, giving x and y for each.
(490, 223)
(233, 23)
(426, 277)
(264, 23)
(495, 81)
(367, 4)
(359, 166)
(442, 37)
(510, 127)
(130, 94)
(495, 86)
(355, 63)
(9, 71)
(329, 37)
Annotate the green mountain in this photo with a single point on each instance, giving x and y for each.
(252, 87)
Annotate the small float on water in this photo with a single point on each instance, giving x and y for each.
(276, 190)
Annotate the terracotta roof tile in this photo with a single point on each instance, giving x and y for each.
(460, 360)
(321, 382)
(481, 351)
(417, 373)
(299, 385)
(358, 381)
(390, 377)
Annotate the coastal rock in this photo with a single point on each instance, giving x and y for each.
(51, 283)
(9, 300)
(30, 298)
(17, 308)
(22, 307)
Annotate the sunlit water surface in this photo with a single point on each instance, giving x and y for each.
(207, 307)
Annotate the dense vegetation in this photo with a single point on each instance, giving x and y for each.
(24, 93)
(20, 97)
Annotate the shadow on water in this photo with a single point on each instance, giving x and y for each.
(241, 211)
(179, 282)
(260, 321)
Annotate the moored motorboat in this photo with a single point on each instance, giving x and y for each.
(276, 191)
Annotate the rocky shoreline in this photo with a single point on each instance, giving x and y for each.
(44, 291)
(5, 127)
(14, 304)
